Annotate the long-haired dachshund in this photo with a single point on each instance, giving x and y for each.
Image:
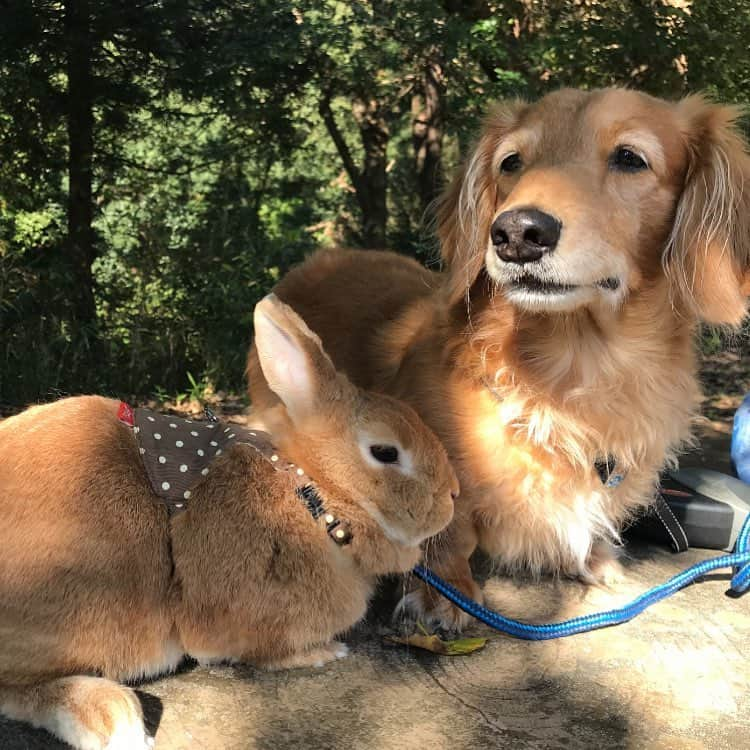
(584, 238)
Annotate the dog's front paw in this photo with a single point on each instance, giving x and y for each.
(424, 604)
(603, 566)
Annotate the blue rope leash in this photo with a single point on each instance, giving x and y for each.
(739, 561)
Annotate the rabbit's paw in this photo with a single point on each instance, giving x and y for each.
(89, 713)
(314, 657)
(424, 604)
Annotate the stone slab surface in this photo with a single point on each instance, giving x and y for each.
(676, 677)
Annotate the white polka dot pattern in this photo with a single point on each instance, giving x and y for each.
(175, 473)
(175, 467)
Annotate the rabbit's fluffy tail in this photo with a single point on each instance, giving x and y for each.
(89, 713)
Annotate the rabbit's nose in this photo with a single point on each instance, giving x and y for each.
(455, 488)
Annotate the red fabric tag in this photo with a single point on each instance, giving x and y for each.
(125, 414)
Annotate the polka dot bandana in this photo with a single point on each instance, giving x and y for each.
(178, 453)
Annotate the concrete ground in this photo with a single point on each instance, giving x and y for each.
(676, 677)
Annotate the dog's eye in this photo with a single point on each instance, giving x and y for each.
(511, 163)
(386, 454)
(626, 160)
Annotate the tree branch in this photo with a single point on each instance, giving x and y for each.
(324, 107)
(188, 166)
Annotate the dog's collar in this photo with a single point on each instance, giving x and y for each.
(610, 471)
(177, 455)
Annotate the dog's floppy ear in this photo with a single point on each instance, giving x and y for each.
(466, 209)
(708, 255)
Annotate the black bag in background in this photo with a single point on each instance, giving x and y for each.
(695, 508)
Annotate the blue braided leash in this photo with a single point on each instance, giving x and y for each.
(739, 561)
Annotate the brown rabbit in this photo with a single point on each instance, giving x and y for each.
(102, 581)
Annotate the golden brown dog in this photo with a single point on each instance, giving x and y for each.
(585, 237)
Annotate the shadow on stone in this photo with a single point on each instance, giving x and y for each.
(153, 709)
(17, 736)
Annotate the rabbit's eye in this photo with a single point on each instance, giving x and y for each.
(386, 454)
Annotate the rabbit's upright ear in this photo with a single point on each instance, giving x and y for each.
(291, 356)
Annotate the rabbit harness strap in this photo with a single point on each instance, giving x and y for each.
(177, 455)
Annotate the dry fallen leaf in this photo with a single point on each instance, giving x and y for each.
(437, 645)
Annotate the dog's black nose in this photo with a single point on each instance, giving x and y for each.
(524, 235)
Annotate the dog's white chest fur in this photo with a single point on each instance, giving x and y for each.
(537, 498)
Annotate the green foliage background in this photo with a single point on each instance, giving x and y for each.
(214, 169)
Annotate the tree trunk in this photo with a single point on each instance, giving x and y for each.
(80, 122)
(427, 133)
(370, 182)
(373, 130)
